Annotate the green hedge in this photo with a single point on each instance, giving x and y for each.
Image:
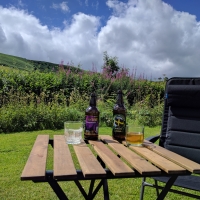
(86, 82)
(37, 100)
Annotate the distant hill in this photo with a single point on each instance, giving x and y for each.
(30, 65)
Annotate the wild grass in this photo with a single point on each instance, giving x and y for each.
(14, 151)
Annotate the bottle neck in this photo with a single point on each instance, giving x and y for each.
(93, 100)
(120, 101)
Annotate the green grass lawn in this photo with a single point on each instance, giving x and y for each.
(14, 151)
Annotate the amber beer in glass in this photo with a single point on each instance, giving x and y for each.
(119, 118)
(135, 135)
(91, 120)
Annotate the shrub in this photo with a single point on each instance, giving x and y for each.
(16, 118)
(79, 101)
(106, 112)
(146, 115)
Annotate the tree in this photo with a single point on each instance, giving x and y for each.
(110, 64)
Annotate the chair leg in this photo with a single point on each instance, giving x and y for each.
(142, 188)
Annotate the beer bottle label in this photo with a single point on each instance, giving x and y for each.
(119, 123)
(91, 125)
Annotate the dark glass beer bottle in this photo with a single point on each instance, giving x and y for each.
(119, 118)
(91, 120)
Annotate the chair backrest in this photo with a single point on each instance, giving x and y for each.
(180, 130)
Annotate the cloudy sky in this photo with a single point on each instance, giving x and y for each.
(155, 37)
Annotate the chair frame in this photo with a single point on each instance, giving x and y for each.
(157, 187)
(161, 137)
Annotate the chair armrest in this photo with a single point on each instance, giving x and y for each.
(153, 138)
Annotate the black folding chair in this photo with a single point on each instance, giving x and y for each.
(180, 131)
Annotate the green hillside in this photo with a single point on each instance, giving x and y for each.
(30, 65)
(15, 62)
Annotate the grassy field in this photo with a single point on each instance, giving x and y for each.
(14, 151)
(15, 62)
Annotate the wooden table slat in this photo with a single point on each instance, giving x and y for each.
(161, 162)
(138, 163)
(178, 159)
(114, 163)
(63, 163)
(89, 164)
(35, 167)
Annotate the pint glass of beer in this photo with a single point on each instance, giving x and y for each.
(134, 135)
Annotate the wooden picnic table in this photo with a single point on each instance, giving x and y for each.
(147, 161)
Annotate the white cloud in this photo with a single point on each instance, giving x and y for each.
(153, 37)
(63, 6)
(29, 39)
(148, 35)
(117, 6)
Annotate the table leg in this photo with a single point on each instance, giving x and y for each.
(91, 194)
(167, 187)
(91, 188)
(103, 183)
(57, 189)
(81, 189)
(105, 189)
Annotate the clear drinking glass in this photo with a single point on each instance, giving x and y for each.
(134, 135)
(73, 132)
